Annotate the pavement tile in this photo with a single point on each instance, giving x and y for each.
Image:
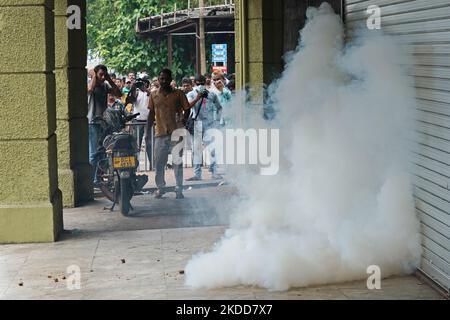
(128, 293)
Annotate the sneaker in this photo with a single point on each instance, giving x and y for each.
(194, 178)
(216, 177)
(159, 194)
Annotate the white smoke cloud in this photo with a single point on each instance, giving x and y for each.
(342, 200)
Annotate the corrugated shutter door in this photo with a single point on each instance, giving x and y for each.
(424, 26)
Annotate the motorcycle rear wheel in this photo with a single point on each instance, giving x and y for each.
(125, 196)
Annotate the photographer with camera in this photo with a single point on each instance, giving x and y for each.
(140, 105)
(100, 85)
(205, 115)
(224, 94)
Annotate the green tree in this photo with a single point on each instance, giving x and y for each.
(112, 36)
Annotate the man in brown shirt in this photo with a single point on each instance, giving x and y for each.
(167, 107)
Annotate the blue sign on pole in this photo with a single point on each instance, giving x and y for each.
(220, 53)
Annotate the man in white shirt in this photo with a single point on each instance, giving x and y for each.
(187, 85)
(141, 106)
(209, 110)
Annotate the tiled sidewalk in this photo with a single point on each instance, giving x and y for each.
(142, 256)
(146, 264)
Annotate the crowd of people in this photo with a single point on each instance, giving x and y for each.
(163, 106)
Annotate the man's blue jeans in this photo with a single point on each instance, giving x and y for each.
(94, 132)
(163, 146)
(212, 166)
(140, 133)
(201, 140)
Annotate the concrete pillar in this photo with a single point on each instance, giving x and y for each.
(30, 201)
(240, 43)
(259, 44)
(71, 106)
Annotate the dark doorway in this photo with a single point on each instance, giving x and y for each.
(295, 17)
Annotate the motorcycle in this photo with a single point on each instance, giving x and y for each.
(118, 161)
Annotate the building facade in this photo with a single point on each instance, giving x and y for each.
(44, 161)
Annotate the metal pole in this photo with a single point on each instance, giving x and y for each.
(197, 49)
(244, 58)
(170, 50)
(202, 38)
(145, 150)
(153, 147)
(138, 136)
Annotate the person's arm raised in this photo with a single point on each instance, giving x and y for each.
(93, 83)
(114, 88)
(194, 102)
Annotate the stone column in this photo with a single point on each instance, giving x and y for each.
(259, 44)
(30, 201)
(240, 43)
(71, 106)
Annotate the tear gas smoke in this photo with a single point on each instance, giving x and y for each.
(343, 199)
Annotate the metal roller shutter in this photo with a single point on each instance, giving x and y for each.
(424, 27)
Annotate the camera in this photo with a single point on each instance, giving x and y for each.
(142, 84)
(203, 92)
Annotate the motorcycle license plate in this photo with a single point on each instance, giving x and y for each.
(124, 162)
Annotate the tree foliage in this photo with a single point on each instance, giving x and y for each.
(112, 36)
